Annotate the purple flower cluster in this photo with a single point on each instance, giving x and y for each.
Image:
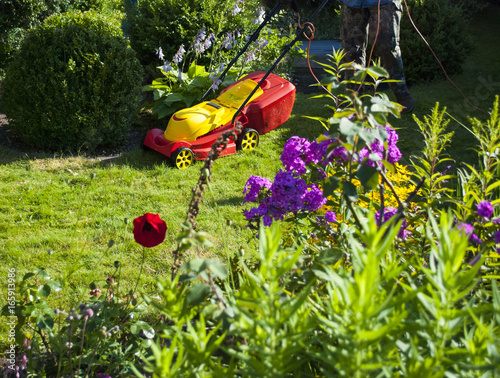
(298, 152)
(469, 231)
(377, 147)
(484, 209)
(390, 212)
(287, 194)
(179, 55)
(253, 187)
(330, 216)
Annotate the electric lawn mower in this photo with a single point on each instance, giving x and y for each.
(261, 101)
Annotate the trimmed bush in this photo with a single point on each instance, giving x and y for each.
(75, 83)
(443, 24)
(16, 17)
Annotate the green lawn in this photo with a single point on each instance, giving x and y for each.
(60, 212)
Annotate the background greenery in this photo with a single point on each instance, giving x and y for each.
(75, 83)
(60, 212)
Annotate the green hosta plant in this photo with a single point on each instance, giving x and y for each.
(177, 90)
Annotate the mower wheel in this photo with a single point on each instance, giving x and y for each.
(183, 158)
(248, 140)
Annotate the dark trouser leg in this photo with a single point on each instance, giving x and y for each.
(354, 34)
(387, 44)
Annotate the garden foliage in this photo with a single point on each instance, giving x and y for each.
(344, 285)
(170, 23)
(17, 17)
(75, 83)
(198, 66)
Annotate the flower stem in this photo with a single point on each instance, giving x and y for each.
(140, 271)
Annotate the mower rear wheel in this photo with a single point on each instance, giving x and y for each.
(248, 140)
(183, 158)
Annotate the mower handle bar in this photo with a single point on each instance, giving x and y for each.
(285, 51)
(252, 38)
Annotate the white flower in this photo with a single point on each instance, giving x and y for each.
(160, 53)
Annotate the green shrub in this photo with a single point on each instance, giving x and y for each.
(443, 24)
(74, 83)
(170, 23)
(16, 17)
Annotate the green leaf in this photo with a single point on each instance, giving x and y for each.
(45, 322)
(55, 285)
(330, 185)
(195, 265)
(350, 191)
(42, 273)
(44, 291)
(330, 256)
(171, 98)
(368, 176)
(197, 294)
(28, 275)
(377, 71)
(147, 330)
(217, 268)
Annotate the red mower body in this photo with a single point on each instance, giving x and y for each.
(266, 112)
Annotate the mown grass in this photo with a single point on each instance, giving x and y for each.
(61, 212)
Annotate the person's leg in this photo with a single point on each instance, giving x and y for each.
(354, 34)
(387, 48)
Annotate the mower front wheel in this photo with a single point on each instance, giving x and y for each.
(248, 140)
(183, 158)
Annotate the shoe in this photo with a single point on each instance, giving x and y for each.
(407, 102)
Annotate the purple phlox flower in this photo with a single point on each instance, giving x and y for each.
(469, 231)
(167, 67)
(267, 220)
(179, 75)
(497, 237)
(253, 187)
(178, 55)
(103, 375)
(377, 147)
(341, 152)
(319, 151)
(484, 209)
(159, 52)
(295, 153)
(330, 216)
(389, 212)
(313, 199)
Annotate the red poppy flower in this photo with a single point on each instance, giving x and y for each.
(149, 230)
